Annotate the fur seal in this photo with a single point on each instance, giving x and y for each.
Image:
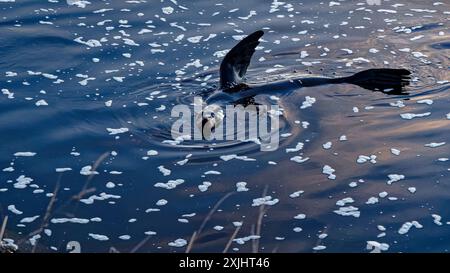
(234, 90)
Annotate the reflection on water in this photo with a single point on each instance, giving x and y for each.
(69, 72)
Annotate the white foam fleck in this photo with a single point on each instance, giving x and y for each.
(300, 216)
(266, 200)
(41, 103)
(125, 237)
(437, 219)
(372, 200)
(383, 194)
(363, 159)
(319, 247)
(426, 101)
(212, 172)
(8, 169)
(377, 247)
(297, 148)
(348, 211)
(24, 154)
(241, 186)
(103, 196)
(327, 145)
(344, 201)
(435, 144)
(161, 202)
(29, 219)
(204, 186)
(113, 131)
(164, 170)
(234, 156)
(171, 184)
(152, 152)
(194, 39)
(78, 3)
(8, 93)
(299, 159)
(309, 101)
(395, 151)
(13, 209)
(34, 238)
(408, 225)
(69, 220)
(87, 170)
(89, 43)
(22, 182)
(394, 178)
(411, 115)
(297, 229)
(296, 194)
(242, 240)
(61, 170)
(328, 170)
(399, 104)
(178, 243)
(167, 10)
(218, 228)
(98, 237)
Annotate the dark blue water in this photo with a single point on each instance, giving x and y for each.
(69, 72)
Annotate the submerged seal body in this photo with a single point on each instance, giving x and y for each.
(233, 89)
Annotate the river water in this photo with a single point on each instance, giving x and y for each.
(69, 70)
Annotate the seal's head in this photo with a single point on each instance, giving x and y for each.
(209, 119)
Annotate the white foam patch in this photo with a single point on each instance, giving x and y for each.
(412, 116)
(328, 170)
(13, 209)
(241, 186)
(394, 178)
(299, 159)
(29, 219)
(164, 170)
(98, 237)
(204, 186)
(297, 148)
(267, 200)
(113, 131)
(178, 243)
(87, 170)
(309, 101)
(69, 220)
(296, 194)
(435, 144)
(24, 154)
(234, 156)
(408, 225)
(61, 170)
(348, 211)
(103, 196)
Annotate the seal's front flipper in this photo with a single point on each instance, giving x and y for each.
(234, 65)
(390, 81)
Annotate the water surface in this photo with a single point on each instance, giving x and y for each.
(71, 69)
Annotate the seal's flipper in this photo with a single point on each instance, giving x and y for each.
(380, 79)
(234, 65)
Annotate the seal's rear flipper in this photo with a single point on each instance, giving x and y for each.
(234, 65)
(387, 80)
